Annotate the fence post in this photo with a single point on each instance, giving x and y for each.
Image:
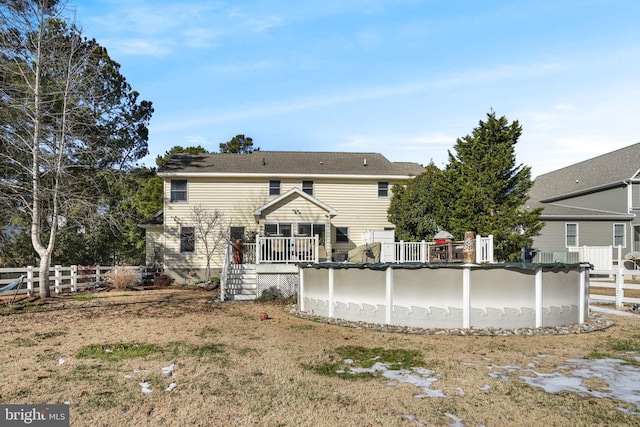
(538, 296)
(30, 280)
(57, 275)
(423, 252)
(466, 296)
(401, 251)
(258, 248)
(619, 287)
(97, 267)
(330, 284)
(389, 295)
(73, 272)
(316, 247)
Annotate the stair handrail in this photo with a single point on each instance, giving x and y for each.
(225, 269)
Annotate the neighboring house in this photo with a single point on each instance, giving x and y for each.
(592, 203)
(338, 196)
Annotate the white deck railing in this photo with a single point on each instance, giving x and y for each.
(400, 252)
(287, 249)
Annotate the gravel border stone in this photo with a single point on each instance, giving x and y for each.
(595, 322)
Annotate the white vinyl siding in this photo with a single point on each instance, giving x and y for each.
(355, 201)
(571, 234)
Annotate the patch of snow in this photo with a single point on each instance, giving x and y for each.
(167, 371)
(485, 387)
(420, 377)
(622, 379)
(171, 387)
(61, 361)
(457, 422)
(145, 387)
(413, 418)
(614, 312)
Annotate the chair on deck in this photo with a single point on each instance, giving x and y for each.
(13, 285)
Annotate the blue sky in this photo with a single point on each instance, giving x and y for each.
(405, 78)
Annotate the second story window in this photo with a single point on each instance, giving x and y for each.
(571, 234)
(178, 190)
(307, 187)
(383, 189)
(619, 238)
(274, 187)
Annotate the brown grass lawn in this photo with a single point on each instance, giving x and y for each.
(231, 368)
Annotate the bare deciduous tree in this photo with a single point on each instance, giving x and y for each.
(68, 126)
(211, 230)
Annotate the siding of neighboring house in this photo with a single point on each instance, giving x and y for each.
(611, 200)
(590, 233)
(595, 194)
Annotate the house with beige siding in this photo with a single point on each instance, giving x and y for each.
(594, 203)
(332, 199)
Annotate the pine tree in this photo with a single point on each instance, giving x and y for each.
(413, 206)
(484, 191)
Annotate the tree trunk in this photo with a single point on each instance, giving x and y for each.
(43, 278)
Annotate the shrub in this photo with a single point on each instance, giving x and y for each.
(270, 294)
(163, 280)
(122, 278)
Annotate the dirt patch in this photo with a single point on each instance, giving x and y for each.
(231, 368)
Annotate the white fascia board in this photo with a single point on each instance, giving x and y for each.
(279, 175)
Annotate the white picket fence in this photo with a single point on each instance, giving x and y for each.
(62, 279)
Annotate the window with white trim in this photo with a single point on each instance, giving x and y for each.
(383, 189)
(178, 190)
(187, 239)
(310, 230)
(236, 233)
(619, 235)
(342, 234)
(277, 229)
(274, 187)
(307, 187)
(571, 234)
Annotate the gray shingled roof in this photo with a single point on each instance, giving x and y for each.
(290, 162)
(605, 171)
(599, 172)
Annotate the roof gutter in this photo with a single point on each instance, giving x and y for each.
(621, 217)
(279, 175)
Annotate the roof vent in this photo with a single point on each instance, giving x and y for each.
(365, 162)
(264, 162)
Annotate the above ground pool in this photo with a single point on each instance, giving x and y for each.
(510, 296)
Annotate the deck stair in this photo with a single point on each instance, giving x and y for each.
(242, 282)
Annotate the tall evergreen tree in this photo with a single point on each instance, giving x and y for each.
(484, 191)
(414, 205)
(238, 144)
